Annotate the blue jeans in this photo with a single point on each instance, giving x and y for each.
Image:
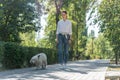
(63, 46)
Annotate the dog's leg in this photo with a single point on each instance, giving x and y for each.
(44, 65)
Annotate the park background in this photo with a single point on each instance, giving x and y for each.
(21, 22)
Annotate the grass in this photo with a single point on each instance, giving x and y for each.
(113, 68)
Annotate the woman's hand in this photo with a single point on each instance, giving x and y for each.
(70, 41)
(56, 40)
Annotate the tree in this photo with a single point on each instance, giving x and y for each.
(102, 48)
(28, 39)
(110, 23)
(58, 5)
(77, 14)
(79, 10)
(16, 16)
(90, 45)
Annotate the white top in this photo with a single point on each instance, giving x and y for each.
(64, 27)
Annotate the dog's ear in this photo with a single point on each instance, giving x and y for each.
(38, 56)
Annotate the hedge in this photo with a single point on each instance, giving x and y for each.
(13, 55)
(51, 54)
(16, 56)
(1, 50)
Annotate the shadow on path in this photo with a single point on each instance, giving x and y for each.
(78, 67)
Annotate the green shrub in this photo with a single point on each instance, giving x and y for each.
(1, 50)
(16, 56)
(13, 56)
(51, 55)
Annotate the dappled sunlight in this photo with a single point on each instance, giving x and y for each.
(75, 70)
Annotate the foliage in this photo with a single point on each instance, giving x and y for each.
(1, 50)
(31, 51)
(103, 49)
(99, 48)
(28, 39)
(13, 56)
(16, 16)
(16, 56)
(77, 14)
(110, 23)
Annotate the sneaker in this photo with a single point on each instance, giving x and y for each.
(61, 66)
(64, 66)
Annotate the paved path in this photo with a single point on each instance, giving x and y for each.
(113, 74)
(77, 70)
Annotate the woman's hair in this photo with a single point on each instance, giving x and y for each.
(64, 12)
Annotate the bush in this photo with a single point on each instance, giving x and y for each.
(16, 56)
(51, 54)
(1, 50)
(13, 56)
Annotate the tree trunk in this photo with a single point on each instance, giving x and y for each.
(58, 5)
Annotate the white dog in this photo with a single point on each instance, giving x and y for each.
(39, 60)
